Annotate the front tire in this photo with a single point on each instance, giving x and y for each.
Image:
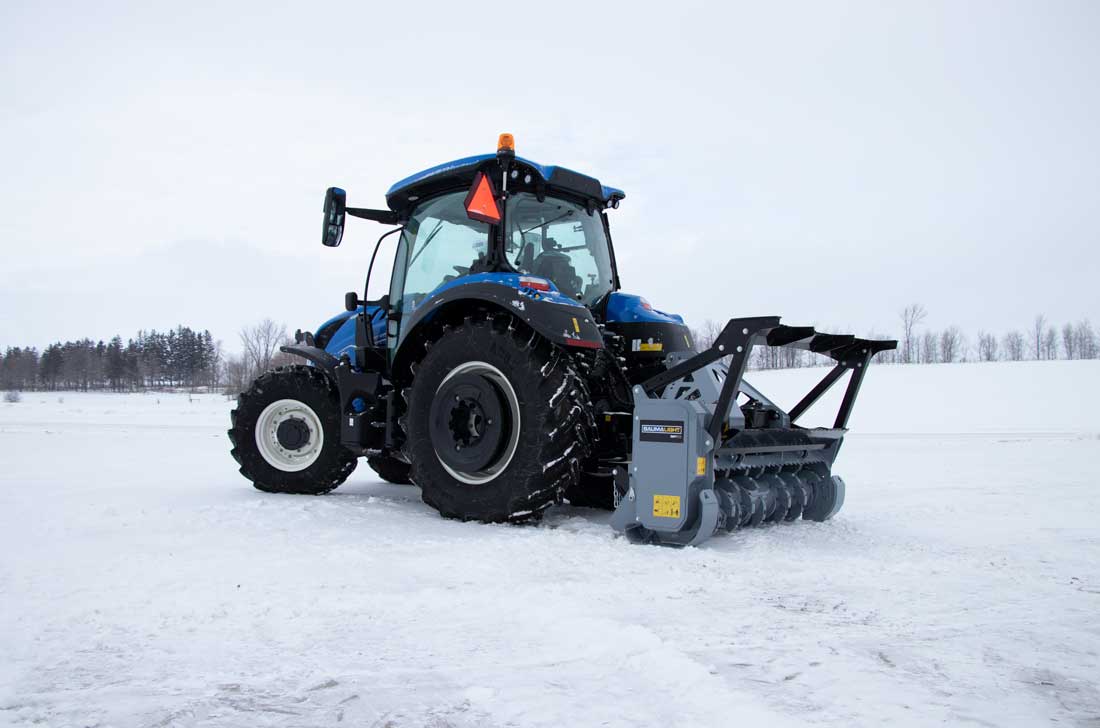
(497, 424)
(286, 433)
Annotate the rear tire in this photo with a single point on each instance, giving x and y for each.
(390, 469)
(497, 422)
(286, 433)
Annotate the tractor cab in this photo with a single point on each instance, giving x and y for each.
(491, 220)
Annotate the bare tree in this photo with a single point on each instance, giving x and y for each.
(1085, 337)
(1014, 346)
(1038, 328)
(950, 344)
(260, 343)
(1050, 343)
(236, 374)
(706, 334)
(987, 346)
(911, 317)
(929, 348)
(1069, 341)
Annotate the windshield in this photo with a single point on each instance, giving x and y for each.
(561, 241)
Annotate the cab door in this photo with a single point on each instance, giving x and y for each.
(440, 244)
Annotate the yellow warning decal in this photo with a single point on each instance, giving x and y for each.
(650, 346)
(666, 506)
(701, 466)
(576, 326)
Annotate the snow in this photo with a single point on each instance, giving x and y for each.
(145, 583)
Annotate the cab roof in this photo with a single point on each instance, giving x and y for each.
(460, 172)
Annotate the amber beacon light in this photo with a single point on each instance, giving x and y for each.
(506, 143)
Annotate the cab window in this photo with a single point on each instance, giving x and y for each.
(559, 240)
(439, 243)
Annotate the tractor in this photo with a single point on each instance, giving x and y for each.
(505, 372)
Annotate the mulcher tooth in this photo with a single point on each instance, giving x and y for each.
(814, 481)
(783, 498)
(757, 500)
(730, 503)
(780, 498)
(797, 490)
(742, 488)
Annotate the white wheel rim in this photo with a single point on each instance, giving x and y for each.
(493, 374)
(267, 440)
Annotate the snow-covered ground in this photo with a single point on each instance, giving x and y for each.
(143, 582)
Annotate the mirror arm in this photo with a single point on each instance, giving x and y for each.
(386, 217)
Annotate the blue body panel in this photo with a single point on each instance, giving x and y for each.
(628, 308)
(545, 170)
(343, 341)
(512, 280)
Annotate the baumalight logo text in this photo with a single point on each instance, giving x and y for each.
(663, 429)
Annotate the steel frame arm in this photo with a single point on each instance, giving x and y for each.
(857, 362)
(737, 340)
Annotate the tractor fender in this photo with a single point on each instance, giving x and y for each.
(327, 362)
(560, 320)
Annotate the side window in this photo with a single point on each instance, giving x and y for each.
(570, 238)
(442, 251)
(560, 240)
(441, 244)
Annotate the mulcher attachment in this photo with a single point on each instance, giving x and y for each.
(700, 465)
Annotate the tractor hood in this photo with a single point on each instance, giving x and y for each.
(459, 174)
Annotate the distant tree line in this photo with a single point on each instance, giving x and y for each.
(920, 345)
(181, 357)
(184, 357)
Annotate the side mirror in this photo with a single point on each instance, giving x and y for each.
(351, 301)
(332, 231)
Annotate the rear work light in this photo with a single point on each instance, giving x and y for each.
(539, 284)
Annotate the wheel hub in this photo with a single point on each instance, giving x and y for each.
(474, 422)
(293, 433)
(468, 422)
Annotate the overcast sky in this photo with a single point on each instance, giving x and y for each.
(826, 162)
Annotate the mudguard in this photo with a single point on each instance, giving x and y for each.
(327, 362)
(558, 318)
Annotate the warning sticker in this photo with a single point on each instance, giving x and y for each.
(666, 506)
(700, 466)
(651, 345)
(662, 431)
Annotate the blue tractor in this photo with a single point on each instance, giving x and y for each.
(505, 371)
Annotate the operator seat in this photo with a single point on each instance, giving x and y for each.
(556, 265)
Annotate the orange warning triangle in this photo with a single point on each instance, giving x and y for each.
(481, 202)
